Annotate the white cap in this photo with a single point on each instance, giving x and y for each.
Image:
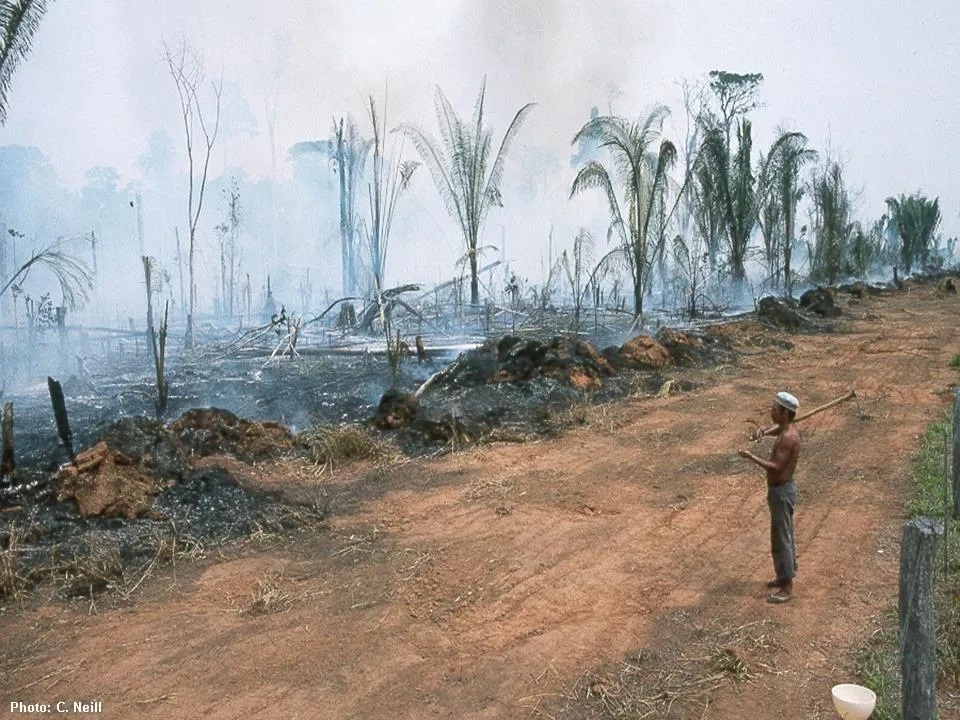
(788, 401)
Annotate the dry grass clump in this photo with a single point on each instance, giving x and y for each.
(269, 596)
(13, 583)
(92, 567)
(676, 679)
(497, 486)
(587, 415)
(332, 445)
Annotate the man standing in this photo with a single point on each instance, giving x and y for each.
(781, 494)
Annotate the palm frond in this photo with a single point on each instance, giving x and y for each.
(72, 274)
(441, 170)
(594, 175)
(496, 172)
(19, 21)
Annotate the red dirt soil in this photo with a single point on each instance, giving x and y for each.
(489, 582)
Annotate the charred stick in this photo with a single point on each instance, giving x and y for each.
(60, 415)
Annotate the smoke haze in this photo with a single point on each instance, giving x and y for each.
(871, 83)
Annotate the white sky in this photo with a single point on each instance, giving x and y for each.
(876, 80)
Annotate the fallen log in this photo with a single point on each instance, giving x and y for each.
(760, 433)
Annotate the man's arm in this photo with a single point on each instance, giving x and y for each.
(780, 457)
(760, 433)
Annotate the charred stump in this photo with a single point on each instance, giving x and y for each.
(396, 409)
(60, 415)
(820, 302)
(8, 465)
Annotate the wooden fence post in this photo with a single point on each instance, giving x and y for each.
(918, 650)
(955, 474)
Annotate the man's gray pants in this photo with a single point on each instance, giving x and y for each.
(781, 500)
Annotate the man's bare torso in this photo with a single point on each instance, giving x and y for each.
(787, 443)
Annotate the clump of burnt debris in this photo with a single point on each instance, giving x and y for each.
(513, 387)
(137, 498)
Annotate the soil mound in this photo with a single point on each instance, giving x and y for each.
(639, 353)
(396, 409)
(146, 442)
(211, 431)
(514, 359)
(861, 289)
(688, 349)
(137, 458)
(108, 483)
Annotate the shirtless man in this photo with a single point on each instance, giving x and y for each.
(781, 494)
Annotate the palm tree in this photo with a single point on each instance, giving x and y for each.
(460, 165)
(706, 208)
(780, 191)
(350, 155)
(642, 177)
(770, 215)
(19, 20)
(735, 188)
(389, 179)
(915, 219)
(575, 266)
(833, 227)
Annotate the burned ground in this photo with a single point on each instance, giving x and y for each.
(140, 486)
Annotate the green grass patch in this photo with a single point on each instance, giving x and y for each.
(955, 361)
(878, 662)
(932, 494)
(878, 666)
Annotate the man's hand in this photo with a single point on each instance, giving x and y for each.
(745, 454)
(757, 434)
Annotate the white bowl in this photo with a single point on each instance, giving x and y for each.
(853, 702)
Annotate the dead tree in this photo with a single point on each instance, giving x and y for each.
(186, 69)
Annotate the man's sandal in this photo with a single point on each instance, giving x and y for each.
(779, 597)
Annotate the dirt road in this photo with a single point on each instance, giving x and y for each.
(513, 581)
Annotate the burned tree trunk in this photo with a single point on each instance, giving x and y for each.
(8, 465)
(60, 415)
